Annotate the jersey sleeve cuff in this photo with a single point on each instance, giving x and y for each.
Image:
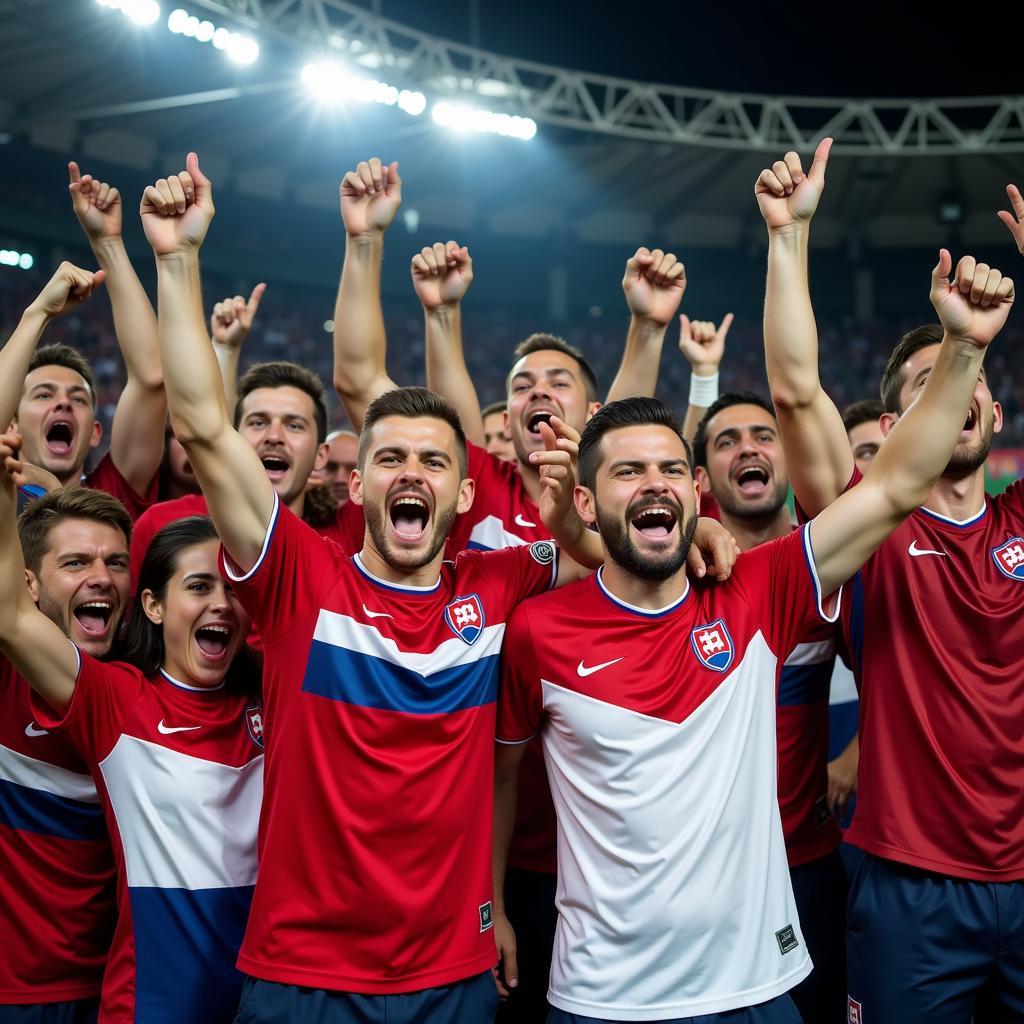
(42, 710)
(232, 571)
(828, 605)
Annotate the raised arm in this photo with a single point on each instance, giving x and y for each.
(35, 646)
(654, 283)
(973, 310)
(441, 275)
(703, 346)
(370, 198)
(137, 433)
(230, 324)
(176, 213)
(818, 455)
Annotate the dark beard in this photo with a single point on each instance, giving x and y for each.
(767, 508)
(621, 549)
(375, 522)
(966, 460)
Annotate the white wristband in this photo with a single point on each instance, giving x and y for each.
(703, 390)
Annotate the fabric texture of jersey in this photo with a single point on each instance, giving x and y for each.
(935, 628)
(107, 477)
(56, 865)
(180, 776)
(674, 894)
(379, 778)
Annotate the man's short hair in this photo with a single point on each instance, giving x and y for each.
(43, 515)
(413, 404)
(490, 410)
(285, 375)
(627, 412)
(730, 398)
(552, 343)
(867, 410)
(66, 356)
(911, 342)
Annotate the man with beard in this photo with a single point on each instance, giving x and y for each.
(935, 631)
(655, 699)
(56, 887)
(738, 458)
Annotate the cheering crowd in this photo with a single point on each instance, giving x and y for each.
(470, 712)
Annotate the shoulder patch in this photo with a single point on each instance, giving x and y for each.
(254, 721)
(543, 552)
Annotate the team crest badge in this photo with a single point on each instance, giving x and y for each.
(713, 645)
(1010, 558)
(254, 722)
(465, 618)
(854, 1011)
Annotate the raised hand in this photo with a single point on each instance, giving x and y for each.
(370, 197)
(977, 302)
(703, 344)
(654, 284)
(69, 287)
(785, 195)
(558, 476)
(231, 319)
(1014, 221)
(97, 205)
(442, 274)
(177, 210)
(11, 466)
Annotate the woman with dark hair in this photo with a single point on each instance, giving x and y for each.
(173, 735)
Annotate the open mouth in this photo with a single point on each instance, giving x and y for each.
(752, 479)
(534, 422)
(972, 419)
(275, 466)
(59, 438)
(655, 522)
(213, 640)
(409, 517)
(94, 617)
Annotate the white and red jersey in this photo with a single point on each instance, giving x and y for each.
(658, 728)
(375, 855)
(179, 773)
(56, 866)
(935, 628)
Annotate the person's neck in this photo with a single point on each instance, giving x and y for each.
(180, 677)
(530, 475)
(752, 531)
(958, 498)
(298, 504)
(71, 478)
(373, 562)
(651, 595)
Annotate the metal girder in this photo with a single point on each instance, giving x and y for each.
(631, 109)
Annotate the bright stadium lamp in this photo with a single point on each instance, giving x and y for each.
(330, 82)
(141, 12)
(239, 48)
(460, 117)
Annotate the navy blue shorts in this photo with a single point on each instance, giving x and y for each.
(77, 1011)
(473, 1001)
(821, 889)
(775, 1011)
(924, 947)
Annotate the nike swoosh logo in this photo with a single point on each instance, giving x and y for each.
(582, 669)
(916, 552)
(33, 730)
(520, 521)
(166, 730)
(376, 615)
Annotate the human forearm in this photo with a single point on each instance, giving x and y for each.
(638, 372)
(15, 357)
(228, 358)
(505, 798)
(446, 367)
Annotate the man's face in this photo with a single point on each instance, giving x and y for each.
(644, 501)
(496, 437)
(984, 418)
(543, 384)
(280, 423)
(865, 440)
(57, 421)
(745, 467)
(411, 488)
(342, 456)
(179, 469)
(83, 582)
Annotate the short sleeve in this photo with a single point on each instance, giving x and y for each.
(289, 577)
(107, 477)
(105, 693)
(347, 529)
(520, 699)
(1013, 497)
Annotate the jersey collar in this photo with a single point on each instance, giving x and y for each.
(403, 588)
(192, 689)
(960, 523)
(648, 613)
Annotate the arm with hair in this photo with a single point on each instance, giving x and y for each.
(654, 283)
(34, 645)
(176, 213)
(370, 198)
(441, 275)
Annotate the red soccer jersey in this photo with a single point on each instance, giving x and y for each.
(935, 626)
(57, 874)
(107, 477)
(375, 856)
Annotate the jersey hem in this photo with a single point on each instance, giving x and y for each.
(45, 994)
(664, 1011)
(938, 867)
(331, 982)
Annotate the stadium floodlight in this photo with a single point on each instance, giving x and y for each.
(141, 12)
(239, 48)
(460, 117)
(19, 260)
(330, 82)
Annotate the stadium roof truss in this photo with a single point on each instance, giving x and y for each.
(631, 109)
